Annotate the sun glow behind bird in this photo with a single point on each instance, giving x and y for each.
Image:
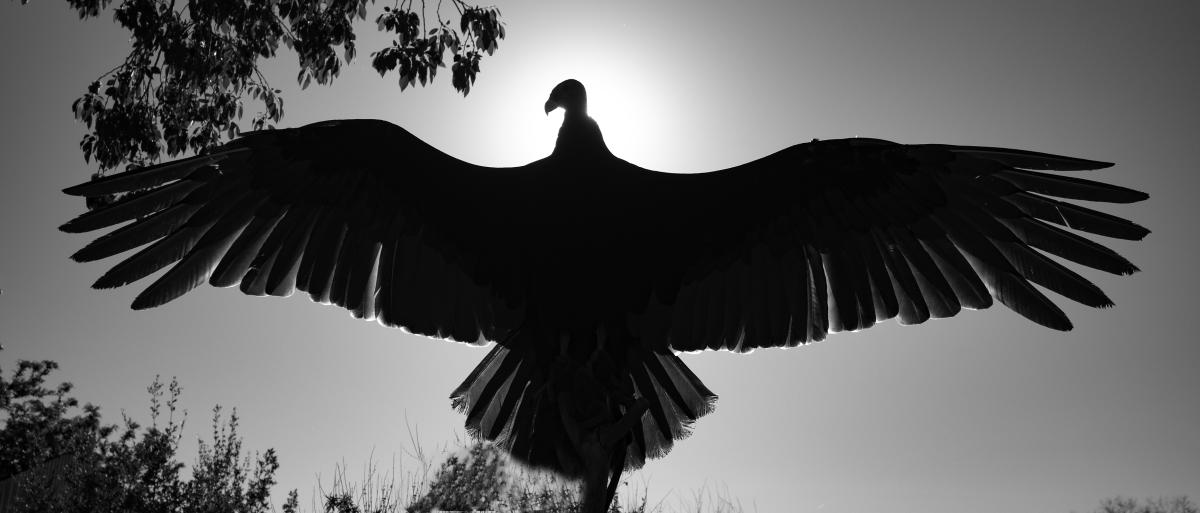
(1087, 411)
(630, 97)
(630, 114)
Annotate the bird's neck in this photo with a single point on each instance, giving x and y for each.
(580, 135)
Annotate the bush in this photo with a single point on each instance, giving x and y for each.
(53, 459)
(482, 477)
(1118, 504)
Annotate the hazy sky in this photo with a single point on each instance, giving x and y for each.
(984, 412)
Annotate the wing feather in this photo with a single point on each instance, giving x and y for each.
(1077, 217)
(350, 277)
(324, 252)
(152, 176)
(708, 306)
(912, 308)
(697, 315)
(171, 248)
(281, 276)
(154, 227)
(795, 281)
(968, 288)
(775, 299)
(1026, 159)
(1069, 246)
(1069, 187)
(939, 295)
(254, 283)
(236, 262)
(818, 300)
(883, 294)
(1039, 269)
(200, 261)
(133, 206)
(732, 327)
(387, 299)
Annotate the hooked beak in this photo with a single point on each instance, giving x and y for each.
(550, 105)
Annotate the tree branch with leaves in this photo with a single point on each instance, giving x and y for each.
(193, 65)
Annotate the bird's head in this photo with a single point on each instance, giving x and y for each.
(569, 95)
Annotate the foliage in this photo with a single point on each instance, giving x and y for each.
(72, 463)
(418, 53)
(478, 477)
(378, 494)
(1181, 504)
(192, 65)
(483, 478)
(38, 422)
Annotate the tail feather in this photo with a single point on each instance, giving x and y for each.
(509, 399)
(699, 400)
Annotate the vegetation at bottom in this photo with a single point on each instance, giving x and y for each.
(1118, 504)
(58, 456)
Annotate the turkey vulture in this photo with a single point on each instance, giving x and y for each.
(591, 273)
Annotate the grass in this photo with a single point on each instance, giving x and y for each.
(476, 476)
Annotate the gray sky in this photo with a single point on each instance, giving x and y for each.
(984, 412)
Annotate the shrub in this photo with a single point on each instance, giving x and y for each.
(53, 459)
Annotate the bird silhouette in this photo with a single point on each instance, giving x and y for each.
(591, 274)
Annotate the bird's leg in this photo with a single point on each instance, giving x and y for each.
(618, 466)
(619, 436)
(612, 433)
(601, 448)
(598, 415)
(592, 455)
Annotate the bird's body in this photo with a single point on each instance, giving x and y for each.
(591, 273)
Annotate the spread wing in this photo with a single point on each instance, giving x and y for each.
(357, 213)
(820, 237)
(838, 235)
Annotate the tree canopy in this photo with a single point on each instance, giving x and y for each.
(193, 65)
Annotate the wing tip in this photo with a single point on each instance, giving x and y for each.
(1057, 323)
(97, 186)
(72, 226)
(1032, 160)
(105, 282)
(77, 190)
(146, 301)
(1139, 232)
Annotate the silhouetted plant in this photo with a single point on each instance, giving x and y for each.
(62, 461)
(193, 64)
(377, 494)
(477, 477)
(41, 423)
(1118, 504)
(482, 477)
